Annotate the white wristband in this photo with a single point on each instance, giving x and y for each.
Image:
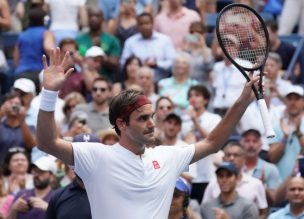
(48, 100)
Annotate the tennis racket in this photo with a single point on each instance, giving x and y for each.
(244, 39)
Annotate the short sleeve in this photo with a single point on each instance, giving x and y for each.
(86, 156)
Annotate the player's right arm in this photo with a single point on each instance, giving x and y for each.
(55, 74)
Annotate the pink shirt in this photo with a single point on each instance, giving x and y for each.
(5, 207)
(176, 26)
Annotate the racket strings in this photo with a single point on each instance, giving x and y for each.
(243, 37)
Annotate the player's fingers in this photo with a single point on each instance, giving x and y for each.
(45, 65)
(65, 60)
(52, 57)
(69, 72)
(57, 56)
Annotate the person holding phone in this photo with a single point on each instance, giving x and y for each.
(12, 123)
(137, 177)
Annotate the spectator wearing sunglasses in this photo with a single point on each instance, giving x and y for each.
(98, 109)
(70, 102)
(164, 106)
(13, 128)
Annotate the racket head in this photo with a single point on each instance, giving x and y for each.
(243, 37)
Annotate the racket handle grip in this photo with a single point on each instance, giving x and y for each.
(266, 118)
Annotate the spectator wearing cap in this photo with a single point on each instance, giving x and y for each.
(77, 79)
(108, 136)
(181, 200)
(32, 43)
(26, 90)
(72, 201)
(92, 65)
(229, 204)
(32, 203)
(171, 129)
(98, 109)
(197, 124)
(267, 172)
(97, 37)
(70, 102)
(77, 124)
(289, 128)
(13, 129)
(234, 153)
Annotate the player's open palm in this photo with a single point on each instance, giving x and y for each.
(57, 72)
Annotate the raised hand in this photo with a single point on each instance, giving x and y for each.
(57, 72)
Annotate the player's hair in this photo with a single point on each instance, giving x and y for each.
(119, 105)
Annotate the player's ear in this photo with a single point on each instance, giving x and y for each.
(121, 124)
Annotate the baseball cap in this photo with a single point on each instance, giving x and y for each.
(251, 131)
(227, 166)
(46, 163)
(86, 137)
(25, 85)
(173, 116)
(295, 89)
(94, 51)
(182, 185)
(77, 115)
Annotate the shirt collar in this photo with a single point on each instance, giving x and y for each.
(177, 15)
(288, 212)
(231, 203)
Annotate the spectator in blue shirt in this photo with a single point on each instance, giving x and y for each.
(295, 195)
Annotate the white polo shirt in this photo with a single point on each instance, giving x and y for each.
(121, 184)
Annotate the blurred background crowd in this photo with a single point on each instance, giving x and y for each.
(168, 50)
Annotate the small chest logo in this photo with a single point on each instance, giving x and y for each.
(155, 164)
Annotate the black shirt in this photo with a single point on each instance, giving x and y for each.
(70, 202)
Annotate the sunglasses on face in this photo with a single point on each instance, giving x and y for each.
(102, 89)
(16, 149)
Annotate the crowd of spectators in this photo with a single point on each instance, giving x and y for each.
(161, 48)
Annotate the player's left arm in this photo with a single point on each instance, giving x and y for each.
(220, 134)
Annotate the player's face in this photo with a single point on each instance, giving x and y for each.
(141, 126)
(252, 145)
(226, 180)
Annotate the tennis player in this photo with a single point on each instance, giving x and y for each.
(128, 179)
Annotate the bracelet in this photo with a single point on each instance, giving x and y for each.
(48, 100)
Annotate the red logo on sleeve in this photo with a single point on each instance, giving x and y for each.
(155, 164)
